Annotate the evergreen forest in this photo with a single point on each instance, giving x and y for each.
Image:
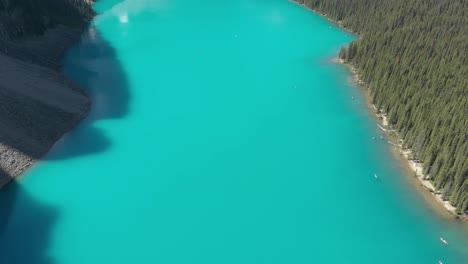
(412, 55)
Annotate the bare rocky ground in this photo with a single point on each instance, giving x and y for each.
(38, 104)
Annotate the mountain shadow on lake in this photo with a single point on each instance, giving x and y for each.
(38, 107)
(93, 64)
(25, 227)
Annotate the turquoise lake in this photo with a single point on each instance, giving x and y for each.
(221, 132)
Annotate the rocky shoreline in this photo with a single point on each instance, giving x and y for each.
(416, 166)
(38, 104)
(404, 154)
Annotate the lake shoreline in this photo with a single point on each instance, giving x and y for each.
(413, 169)
(41, 104)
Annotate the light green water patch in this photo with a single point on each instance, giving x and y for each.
(220, 133)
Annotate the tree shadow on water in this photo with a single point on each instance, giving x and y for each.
(25, 227)
(93, 64)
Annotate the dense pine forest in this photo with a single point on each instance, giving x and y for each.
(23, 18)
(413, 57)
(39, 31)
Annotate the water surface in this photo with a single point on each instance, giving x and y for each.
(220, 133)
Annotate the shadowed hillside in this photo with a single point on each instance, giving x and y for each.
(38, 104)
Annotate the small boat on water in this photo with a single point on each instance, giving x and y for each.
(444, 241)
(375, 176)
(440, 262)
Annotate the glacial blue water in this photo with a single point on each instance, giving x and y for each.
(221, 132)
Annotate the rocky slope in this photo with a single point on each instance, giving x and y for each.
(37, 102)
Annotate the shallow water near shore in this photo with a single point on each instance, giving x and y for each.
(220, 133)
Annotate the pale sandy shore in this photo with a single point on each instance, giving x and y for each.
(416, 166)
(402, 154)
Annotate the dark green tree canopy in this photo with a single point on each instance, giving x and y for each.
(21, 18)
(413, 56)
